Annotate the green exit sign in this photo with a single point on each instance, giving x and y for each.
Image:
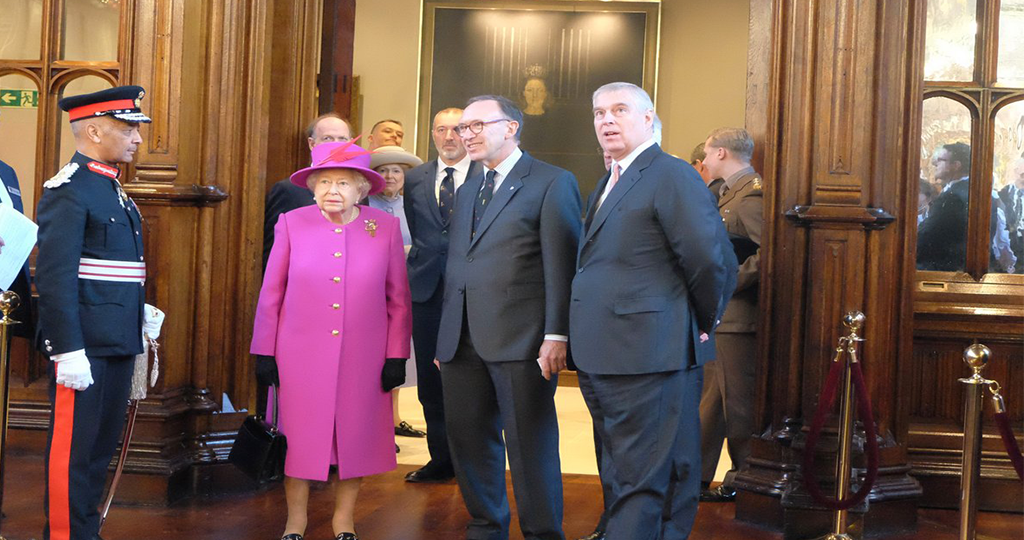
(19, 99)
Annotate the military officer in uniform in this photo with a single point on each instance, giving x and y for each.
(725, 408)
(90, 274)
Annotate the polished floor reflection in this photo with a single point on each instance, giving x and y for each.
(389, 509)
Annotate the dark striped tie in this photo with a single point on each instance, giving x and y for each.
(482, 198)
(446, 196)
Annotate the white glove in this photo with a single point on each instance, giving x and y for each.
(73, 370)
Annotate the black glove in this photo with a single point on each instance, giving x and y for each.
(393, 374)
(266, 371)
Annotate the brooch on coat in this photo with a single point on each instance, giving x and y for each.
(62, 177)
(371, 227)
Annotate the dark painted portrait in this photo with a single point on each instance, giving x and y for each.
(549, 62)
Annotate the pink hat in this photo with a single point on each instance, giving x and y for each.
(340, 155)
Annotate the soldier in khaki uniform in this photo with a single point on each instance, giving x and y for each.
(725, 406)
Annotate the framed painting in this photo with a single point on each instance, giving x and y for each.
(547, 56)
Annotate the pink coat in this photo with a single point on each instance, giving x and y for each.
(334, 304)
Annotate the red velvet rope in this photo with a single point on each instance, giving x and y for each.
(1010, 442)
(825, 403)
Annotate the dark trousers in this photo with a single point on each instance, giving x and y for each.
(482, 401)
(726, 409)
(650, 434)
(426, 319)
(84, 430)
(607, 491)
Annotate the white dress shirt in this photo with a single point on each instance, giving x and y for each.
(503, 168)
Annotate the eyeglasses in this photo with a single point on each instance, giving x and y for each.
(477, 127)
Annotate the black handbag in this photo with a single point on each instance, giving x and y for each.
(260, 448)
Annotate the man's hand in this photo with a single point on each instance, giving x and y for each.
(74, 373)
(551, 358)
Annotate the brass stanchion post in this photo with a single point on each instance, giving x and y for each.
(854, 321)
(976, 356)
(9, 301)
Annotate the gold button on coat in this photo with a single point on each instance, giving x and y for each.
(336, 306)
(337, 254)
(338, 230)
(337, 279)
(334, 332)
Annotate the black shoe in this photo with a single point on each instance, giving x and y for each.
(346, 536)
(722, 493)
(598, 534)
(292, 536)
(405, 430)
(430, 475)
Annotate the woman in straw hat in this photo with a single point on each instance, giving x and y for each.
(332, 328)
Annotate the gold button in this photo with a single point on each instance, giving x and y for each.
(334, 332)
(336, 306)
(337, 254)
(337, 279)
(338, 230)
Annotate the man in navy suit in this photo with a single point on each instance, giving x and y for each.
(11, 194)
(653, 274)
(504, 322)
(429, 205)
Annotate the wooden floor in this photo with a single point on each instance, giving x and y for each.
(389, 509)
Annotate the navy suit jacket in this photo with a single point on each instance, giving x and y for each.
(512, 279)
(429, 251)
(86, 218)
(22, 284)
(655, 269)
(284, 196)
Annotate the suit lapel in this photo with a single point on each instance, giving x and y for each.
(464, 199)
(592, 201)
(429, 186)
(626, 183)
(503, 194)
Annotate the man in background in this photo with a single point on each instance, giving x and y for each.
(285, 196)
(386, 133)
(429, 205)
(714, 184)
(729, 381)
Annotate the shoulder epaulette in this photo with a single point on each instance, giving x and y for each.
(62, 177)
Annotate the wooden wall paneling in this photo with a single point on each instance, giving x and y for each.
(295, 63)
(834, 151)
(338, 91)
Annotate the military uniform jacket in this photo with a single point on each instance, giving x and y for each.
(83, 215)
(742, 210)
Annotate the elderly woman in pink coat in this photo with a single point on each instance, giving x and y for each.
(333, 326)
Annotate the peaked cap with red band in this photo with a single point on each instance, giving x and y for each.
(341, 155)
(121, 102)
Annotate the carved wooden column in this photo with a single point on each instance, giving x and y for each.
(833, 85)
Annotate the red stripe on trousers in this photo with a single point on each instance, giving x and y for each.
(60, 461)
